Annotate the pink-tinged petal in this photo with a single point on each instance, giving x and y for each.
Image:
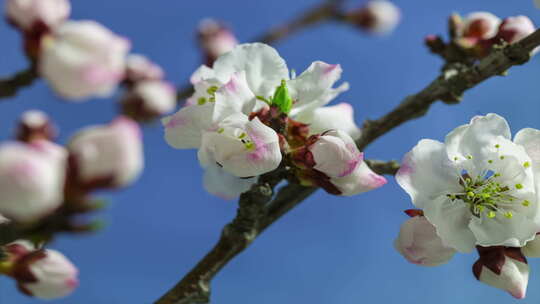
(233, 97)
(361, 180)
(335, 154)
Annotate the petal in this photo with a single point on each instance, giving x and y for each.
(530, 139)
(263, 66)
(313, 83)
(202, 73)
(511, 232)
(426, 173)
(363, 179)
(337, 117)
(451, 219)
(183, 129)
(336, 154)
(225, 185)
(532, 249)
(233, 97)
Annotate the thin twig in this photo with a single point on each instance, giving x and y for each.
(11, 85)
(449, 86)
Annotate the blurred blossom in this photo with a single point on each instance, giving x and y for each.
(83, 59)
(504, 268)
(108, 155)
(45, 274)
(31, 179)
(215, 39)
(35, 125)
(376, 16)
(147, 100)
(140, 68)
(480, 25)
(37, 16)
(419, 243)
(513, 29)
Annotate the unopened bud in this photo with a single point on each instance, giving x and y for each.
(107, 156)
(148, 100)
(513, 29)
(37, 16)
(215, 39)
(140, 68)
(35, 125)
(481, 25)
(46, 274)
(377, 16)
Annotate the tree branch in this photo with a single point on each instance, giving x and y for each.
(11, 85)
(448, 87)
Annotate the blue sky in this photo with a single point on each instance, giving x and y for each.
(328, 250)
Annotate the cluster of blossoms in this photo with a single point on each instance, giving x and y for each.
(83, 59)
(46, 185)
(474, 36)
(248, 117)
(478, 189)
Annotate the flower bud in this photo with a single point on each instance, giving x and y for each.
(335, 154)
(504, 268)
(18, 249)
(107, 156)
(481, 25)
(149, 99)
(377, 16)
(419, 243)
(31, 179)
(140, 68)
(83, 59)
(35, 125)
(215, 39)
(46, 274)
(361, 180)
(37, 16)
(513, 29)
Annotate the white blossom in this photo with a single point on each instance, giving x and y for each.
(31, 179)
(242, 147)
(53, 276)
(29, 14)
(419, 243)
(83, 59)
(477, 188)
(335, 154)
(111, 152)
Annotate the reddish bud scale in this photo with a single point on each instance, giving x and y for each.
(494, 258)
(414, 212)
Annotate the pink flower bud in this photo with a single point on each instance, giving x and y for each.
(107, 156)
(481, 25)
(83, 59)
(419, 243)
(37, 15)
(46, 274)
(513, 29)
(335, 154)
(504, 268)
(31, 179)
(149, 99)
(140, 68)
(215, 39)
(377, 16)
(35, 125)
